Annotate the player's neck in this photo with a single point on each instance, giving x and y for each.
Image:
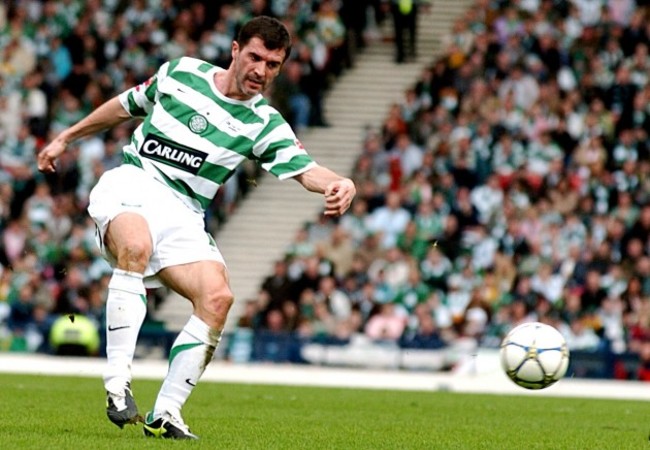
(226, 83)
(223, 81)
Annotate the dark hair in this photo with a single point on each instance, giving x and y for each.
(270, 30)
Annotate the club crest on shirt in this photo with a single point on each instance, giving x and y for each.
(198, 124)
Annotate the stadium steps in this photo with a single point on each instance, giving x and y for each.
(265, 223)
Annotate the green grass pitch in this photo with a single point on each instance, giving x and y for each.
(52, 412)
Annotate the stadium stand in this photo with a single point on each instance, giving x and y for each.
(510, 183)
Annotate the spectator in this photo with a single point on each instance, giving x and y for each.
(411, 243)
(581, 336)
(393, 269)
(338, 303)
(548, 284)
(426, 335)
(408, 154)
(290, 100)
(386, 324)
(487, 199)
(331, 31)
(339, 250)
(278, 285)
(404, 14)
(523, 88)
(355, 222)
(390, 220)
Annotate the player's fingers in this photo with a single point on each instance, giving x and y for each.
(336, 208)
(46, 164)
(331, 205)
(332, 193)
(344, 207)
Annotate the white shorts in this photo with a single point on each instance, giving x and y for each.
(177, 232)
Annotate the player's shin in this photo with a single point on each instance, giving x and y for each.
(126, 308)
(189, 356)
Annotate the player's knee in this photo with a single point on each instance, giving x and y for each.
(216, 307)
(134, 256)
(220, 302)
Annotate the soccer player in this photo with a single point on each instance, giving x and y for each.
(199, 123)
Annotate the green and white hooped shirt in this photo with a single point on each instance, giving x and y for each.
(193, 137)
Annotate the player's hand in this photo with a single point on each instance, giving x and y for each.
(47, 157)
(338, 196)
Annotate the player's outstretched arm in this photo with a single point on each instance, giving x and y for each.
(105, 116)
(338, 191)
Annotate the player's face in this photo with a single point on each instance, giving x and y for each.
(255, 66)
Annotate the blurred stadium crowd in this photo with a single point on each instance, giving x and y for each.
(60, 59)
(511, 182)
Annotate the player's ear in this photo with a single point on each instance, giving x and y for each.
(234, 50)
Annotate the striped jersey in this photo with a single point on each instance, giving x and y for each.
(193, 137)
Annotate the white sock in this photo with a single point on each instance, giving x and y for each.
(189, 356)
(126, 308)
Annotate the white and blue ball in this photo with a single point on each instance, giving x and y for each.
(534, 355)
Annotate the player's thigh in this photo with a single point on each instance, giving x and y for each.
(128, 232)
(119, 205)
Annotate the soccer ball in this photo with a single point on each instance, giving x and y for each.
(534, 355)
